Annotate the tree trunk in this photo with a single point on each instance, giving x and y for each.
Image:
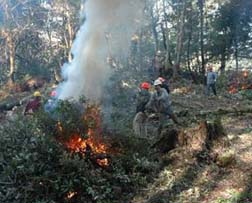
(223, 62)
(70, 36)
(139, 50)
(167, 60)
(49, 34)
(189, 42)
(188, 52)
(236, 54)
(243, 110)
(57, 76)
(154, 30)
(11, 50)
(201, 7)
(166, 38)
(198, 61)
(180, 38)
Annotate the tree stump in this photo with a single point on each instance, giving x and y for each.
(194, 139)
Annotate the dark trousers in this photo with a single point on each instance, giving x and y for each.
(211, 86)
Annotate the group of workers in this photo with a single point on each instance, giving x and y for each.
(147, 101)
(159, 101)
(36, 103)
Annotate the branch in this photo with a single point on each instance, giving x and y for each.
(6, 183)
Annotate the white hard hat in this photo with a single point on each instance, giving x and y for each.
(157, 82)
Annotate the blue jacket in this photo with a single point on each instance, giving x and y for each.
(211, 78)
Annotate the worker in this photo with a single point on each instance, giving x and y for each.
(51, 103)
(164, 84)
(143, 97)
(161, 101)
(211, 80)
(139, 122)
(33, 105)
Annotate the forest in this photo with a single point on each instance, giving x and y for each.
(115, 101)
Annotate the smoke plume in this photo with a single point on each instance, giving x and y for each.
(88, 72)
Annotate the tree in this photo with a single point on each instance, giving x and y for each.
(231, 31)
(17, 19)
(201, 8)
(36, 37)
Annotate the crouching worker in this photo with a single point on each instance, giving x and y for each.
(139, 122)
(160, 99)
(33, 105)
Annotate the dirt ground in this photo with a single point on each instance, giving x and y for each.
(190, 179)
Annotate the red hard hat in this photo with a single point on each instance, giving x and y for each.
(145, 85)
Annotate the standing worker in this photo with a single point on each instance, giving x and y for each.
(211, 80)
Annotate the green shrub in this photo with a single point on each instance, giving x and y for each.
(35, 168)
(247, 94)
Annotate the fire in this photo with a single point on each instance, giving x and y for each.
(103, 162)
(71, 194)
(92, 145)
(77, 144)
(240, 82)
(232, 89)
(244, 87)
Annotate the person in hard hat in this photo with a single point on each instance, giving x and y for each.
(161, 100)
(143, 97)
(211, 80)
(52, 102)
(139, 121)
(165, 84)
(33, 105)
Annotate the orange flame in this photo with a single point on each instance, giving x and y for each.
(103, 162)
(232, 89)
(93, 144)
(241, 81)
(244, 87)
(71, 194)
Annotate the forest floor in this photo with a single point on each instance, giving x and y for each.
(189, 179)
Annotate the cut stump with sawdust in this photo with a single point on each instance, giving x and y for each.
(195, 139)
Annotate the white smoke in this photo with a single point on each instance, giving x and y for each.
(88, 72)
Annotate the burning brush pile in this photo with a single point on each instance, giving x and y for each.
(85, 138)
(65, 156)
(240, 81)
